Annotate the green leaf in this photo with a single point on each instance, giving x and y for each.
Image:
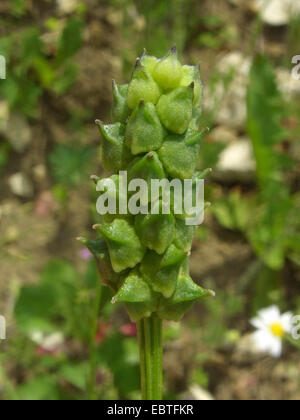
(37, 306)
(39, 389)
(70, 41)
(75, 374)
(69, 163)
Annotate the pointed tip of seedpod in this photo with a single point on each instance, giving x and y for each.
(144, 53)
(99, 123)
(174, 50)
(212, 293)
(82, 240)
(150, 155)
(96, 226)
(114, 86)
(204, 174)
(114, 300)
(138, 63)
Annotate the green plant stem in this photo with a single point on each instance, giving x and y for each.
(92, 380)
(150, 343)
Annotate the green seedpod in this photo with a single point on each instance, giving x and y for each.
(115, 155)
(156, 231)
(184, 235)
(120, 110)
(187, 292)
(146, 168)
(109, 199)
(144, 131)
(168, 71)
(125, 248)
(175, 109)
(149, 62)
(99, 249)
(179, 154)
(191, 74)
(142, 87)
(137, 295)
(162, 271)
(183, 215)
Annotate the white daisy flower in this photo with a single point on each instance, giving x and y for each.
(271, 328)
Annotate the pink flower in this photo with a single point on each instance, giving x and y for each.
(129, 330)
(85, 254)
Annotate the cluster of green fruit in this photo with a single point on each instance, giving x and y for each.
(155, 135)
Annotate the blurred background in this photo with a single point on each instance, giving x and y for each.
(64, 338)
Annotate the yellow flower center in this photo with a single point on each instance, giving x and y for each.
(277, 330)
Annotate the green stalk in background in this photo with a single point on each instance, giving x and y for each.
(145, 258)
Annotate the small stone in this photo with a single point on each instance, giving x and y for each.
(276, 12)
(11, 234)
(200, 394)
(67, 6)
(21, 185)
(230, 101)
(18, 132)
(223, 134)
(39, 172)
(237, 157)
(289, 86)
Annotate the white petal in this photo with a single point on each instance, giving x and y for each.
(262, 340)
(258, 323)
(275, 347)
(287, 322)
(270, 315)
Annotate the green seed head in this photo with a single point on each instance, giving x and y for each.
(144, 258)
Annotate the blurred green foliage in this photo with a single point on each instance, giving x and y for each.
(32, 70)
